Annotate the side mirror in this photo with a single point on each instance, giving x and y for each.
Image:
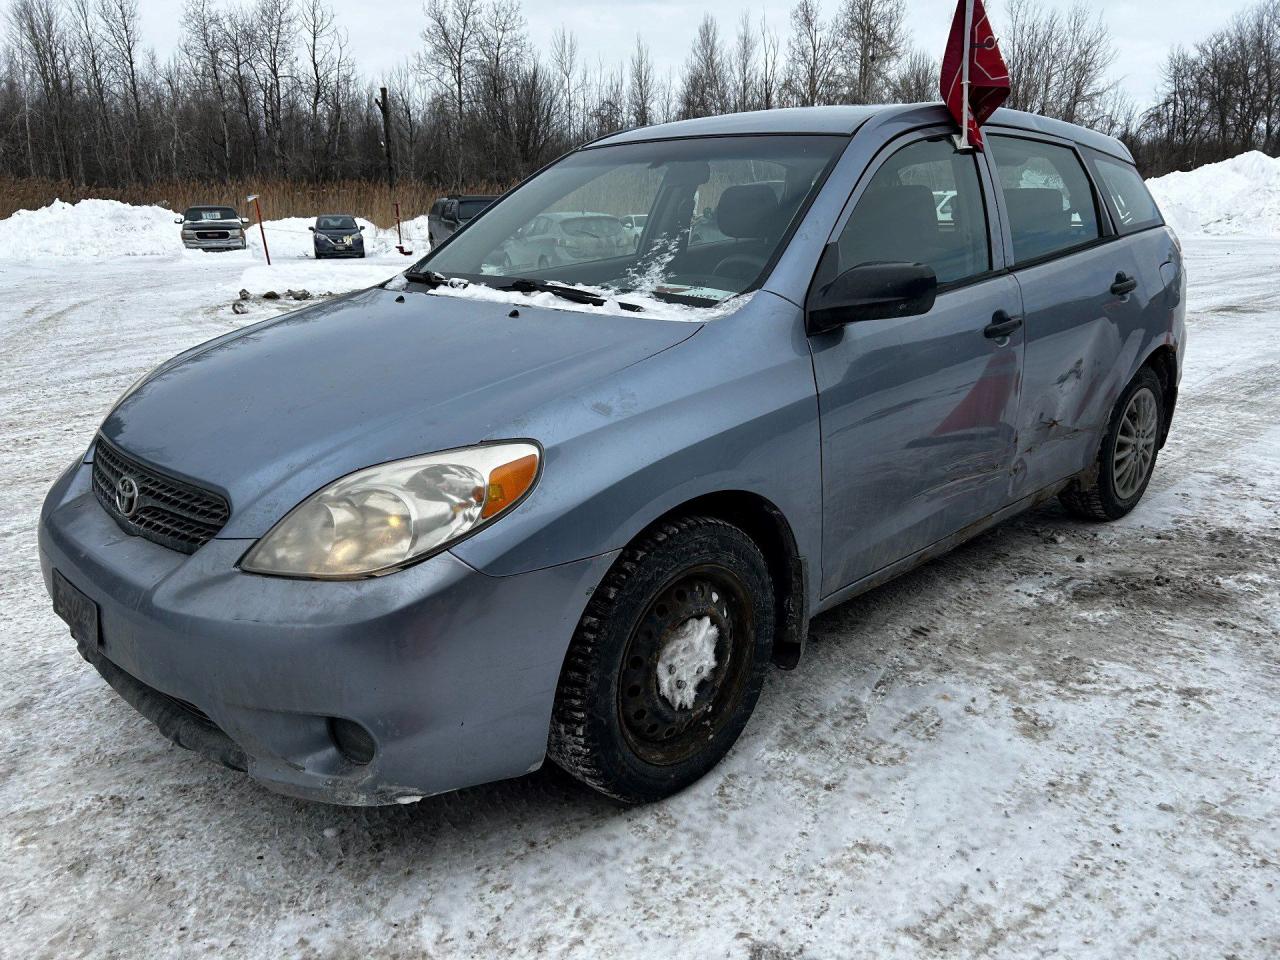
(177, 220)
(244, 221)
(312, 229)
(362, 229)
(872, 291)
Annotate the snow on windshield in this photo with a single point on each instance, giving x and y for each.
(651, 307)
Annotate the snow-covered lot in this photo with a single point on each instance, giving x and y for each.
(1060, 740)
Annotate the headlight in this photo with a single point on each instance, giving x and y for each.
(375, 521)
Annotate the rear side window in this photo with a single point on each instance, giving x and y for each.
(924, 205)
(1130, 201)
(1047, 195)
(467, 209)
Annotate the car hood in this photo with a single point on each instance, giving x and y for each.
(272, 412)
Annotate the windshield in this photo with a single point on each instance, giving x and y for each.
(469, 208)
(707, 217)
(210, 213)
(335, 223)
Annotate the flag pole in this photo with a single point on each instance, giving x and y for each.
(964, 81)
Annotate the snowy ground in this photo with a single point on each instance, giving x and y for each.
(1059, 740)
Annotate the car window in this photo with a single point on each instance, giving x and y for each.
(195, 214)
(718, 211)
(1047, 195)
(1131, 203)
(924, 205)
(467, 209)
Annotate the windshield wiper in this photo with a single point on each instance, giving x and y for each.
(526, 285)
(429, 277)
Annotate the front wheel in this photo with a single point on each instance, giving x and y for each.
(1127, 457)
(667, 663)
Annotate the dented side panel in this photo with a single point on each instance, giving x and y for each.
(1083, 345)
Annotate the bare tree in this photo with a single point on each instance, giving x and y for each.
(640, 93)
(770, 76)
(449, 58)
(745, 71)
(873, 38)
(814, 55)
(915, 80)
(705, 88)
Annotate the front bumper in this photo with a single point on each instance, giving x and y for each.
(452, 672)
(340, 250)
(233, 242)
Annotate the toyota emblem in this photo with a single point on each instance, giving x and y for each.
(127, 496)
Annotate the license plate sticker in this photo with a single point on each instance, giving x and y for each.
(80, 613)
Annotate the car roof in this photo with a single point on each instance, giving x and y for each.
(335, 216)
(847, 120)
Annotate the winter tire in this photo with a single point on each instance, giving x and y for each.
(667, 662)
(1127, 456)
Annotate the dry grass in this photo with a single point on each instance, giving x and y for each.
(279, 198)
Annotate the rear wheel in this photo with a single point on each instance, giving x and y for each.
(1127, 457)
(667, 662)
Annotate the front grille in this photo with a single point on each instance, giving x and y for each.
(213, 234)
(167, 511)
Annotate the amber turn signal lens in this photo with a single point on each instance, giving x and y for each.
(508, 483)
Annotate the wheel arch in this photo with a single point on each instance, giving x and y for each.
(764, 523)
(1164, 362)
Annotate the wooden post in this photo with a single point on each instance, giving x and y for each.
(384, 105)
(261, 230)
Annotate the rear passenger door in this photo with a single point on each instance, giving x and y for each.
(917, 413)
(1079, 306)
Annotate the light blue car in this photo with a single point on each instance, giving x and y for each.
(429, 534)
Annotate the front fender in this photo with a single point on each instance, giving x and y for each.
(731, 409)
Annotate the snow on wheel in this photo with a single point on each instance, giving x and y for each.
(667, 662)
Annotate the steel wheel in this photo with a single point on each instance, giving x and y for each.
(1136, 441)
(683, 672)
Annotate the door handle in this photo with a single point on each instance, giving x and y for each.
(1124, 284)
(1001, 326)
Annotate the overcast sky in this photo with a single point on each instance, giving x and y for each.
(384, 32)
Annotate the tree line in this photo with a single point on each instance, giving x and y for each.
(270, 89)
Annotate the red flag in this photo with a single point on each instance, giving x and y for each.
(988, 76)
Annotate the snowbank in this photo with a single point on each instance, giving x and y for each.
(1236, 196)
(89, 230)
(100, 229)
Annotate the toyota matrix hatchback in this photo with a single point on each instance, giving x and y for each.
(428, 534)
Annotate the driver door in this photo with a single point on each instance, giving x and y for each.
(918, 413)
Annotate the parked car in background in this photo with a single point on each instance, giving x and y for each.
(428, 534)
(448, 215)
(558, 238)
(212, 228)
(634, 223)
(337, 235)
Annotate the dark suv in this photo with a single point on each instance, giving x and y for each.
(337, 235)
(450, 214)
(212, 228)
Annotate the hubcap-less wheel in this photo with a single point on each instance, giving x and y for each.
(667, 661)
(1135, 444)
(683, 673)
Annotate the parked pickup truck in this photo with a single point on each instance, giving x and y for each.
(212, 228)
